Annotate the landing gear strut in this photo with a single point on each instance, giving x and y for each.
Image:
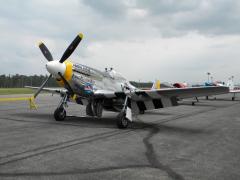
(97, 108)
(233, 98)
(60, 112)
(122, 120)
(89, 110)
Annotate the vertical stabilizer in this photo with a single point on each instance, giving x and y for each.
(156, 85)
(230, 84)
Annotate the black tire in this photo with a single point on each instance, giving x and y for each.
(122, 121)
(60, 114)
(233, 98)
(193, 103)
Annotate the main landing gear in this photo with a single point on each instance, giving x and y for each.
(94, 108)
(60, 113)
(122, 121)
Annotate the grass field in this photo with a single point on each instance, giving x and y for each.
(6, 91)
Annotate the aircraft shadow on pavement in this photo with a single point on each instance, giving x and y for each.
(219, 99)
(203, 105)
(70, 120)
(158, 113)
(109, 122)
(92, 121)
(34, 115)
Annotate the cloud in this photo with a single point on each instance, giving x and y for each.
(208, 17)
(108, 8)
(143, 39)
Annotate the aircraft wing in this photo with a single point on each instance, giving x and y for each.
(181, 93)
(51, 90)
(160, 98)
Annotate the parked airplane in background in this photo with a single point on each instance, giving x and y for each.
(232, 88)
(180, 85)
(108, 90)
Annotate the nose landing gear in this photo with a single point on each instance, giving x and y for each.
(60, 113)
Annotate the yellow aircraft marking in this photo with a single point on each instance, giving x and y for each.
(157, 84)
(74, 97)
(68, 73)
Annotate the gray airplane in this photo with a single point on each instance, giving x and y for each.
(108, 90)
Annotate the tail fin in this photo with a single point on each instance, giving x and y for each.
(230, 84)
(156, 85)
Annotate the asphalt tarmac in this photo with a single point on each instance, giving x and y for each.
(183, 142)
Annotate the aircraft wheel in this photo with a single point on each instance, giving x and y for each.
(233, 98)
(193, 103)
(60, 114)
(122, 121)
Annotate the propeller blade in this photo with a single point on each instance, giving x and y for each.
(66, 84)
(45, 51)
(42, 86)
(71, 47)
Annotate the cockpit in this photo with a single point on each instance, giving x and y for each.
(113, 74)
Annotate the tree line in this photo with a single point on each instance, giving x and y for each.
(19, 81)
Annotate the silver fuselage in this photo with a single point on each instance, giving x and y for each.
(86, 80)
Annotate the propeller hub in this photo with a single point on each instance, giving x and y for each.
(54, 67)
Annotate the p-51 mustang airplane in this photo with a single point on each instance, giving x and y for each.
(108, 90)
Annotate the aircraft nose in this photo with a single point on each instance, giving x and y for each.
(54, 67)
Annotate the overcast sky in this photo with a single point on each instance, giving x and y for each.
(170, 40)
